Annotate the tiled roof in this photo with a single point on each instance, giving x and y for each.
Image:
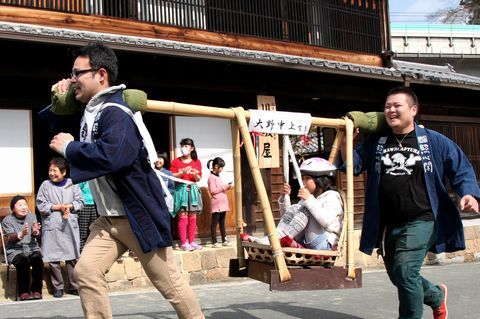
(434, 73)
(413, 72)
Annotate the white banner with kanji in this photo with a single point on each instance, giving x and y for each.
(279, 122)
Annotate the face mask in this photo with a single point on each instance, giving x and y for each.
(185, 151)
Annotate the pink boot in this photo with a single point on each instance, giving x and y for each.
(192, 228)
(182, 229)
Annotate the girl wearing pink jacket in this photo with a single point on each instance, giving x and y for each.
(219, 203)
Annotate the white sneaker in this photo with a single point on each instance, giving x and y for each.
(226, 243)
(196, 246)
(216, 245)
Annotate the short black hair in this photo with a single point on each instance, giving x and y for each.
(164, 155)
(100, 56)
(15, 199)
(407, 91)
(59, 162)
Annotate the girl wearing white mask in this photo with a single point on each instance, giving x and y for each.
(188, 199)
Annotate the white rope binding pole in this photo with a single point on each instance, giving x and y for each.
(288, 145)
(286, 162)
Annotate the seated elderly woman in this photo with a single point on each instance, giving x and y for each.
(21, 232)
(315, 222)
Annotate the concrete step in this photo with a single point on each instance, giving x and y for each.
(198, 267)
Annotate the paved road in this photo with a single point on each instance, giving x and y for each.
(248, 299)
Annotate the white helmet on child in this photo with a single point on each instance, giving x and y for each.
(317, 166)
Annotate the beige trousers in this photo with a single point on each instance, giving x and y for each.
(109, 238)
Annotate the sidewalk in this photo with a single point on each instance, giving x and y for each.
(210, 265)
(248, 299)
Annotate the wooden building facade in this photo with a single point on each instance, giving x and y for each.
(324, 57)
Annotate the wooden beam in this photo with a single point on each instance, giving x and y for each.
(129, 27)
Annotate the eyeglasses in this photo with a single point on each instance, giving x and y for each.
(77, 73)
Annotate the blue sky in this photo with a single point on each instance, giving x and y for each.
(416, 11)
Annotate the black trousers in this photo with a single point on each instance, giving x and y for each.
(218, 218)
(23, 263)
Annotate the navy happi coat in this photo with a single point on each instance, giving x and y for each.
(117, 150)
(441, 158)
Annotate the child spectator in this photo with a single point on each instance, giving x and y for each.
(59, 201)
(22, 230)
(87, 215)
(188, 199)
(219, 203)
(162, 165)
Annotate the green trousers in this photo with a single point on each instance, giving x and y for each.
(405, 249)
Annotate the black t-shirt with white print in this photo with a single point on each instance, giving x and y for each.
(402, 192)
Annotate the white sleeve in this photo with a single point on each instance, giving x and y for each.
(327, 210)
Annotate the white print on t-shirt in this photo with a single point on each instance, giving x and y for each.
(398, 163)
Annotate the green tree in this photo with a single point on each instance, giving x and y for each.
(466, 12)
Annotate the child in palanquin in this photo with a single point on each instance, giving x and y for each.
(188, 199)
(219, 203)
(59, 202)
(22, 249)
(316, 221)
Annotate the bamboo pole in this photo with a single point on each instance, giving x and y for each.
(208, 111)
(262, 192)
(350, 230)
(321, 121)
(238, 190)
(190, 109)
(335, 147)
